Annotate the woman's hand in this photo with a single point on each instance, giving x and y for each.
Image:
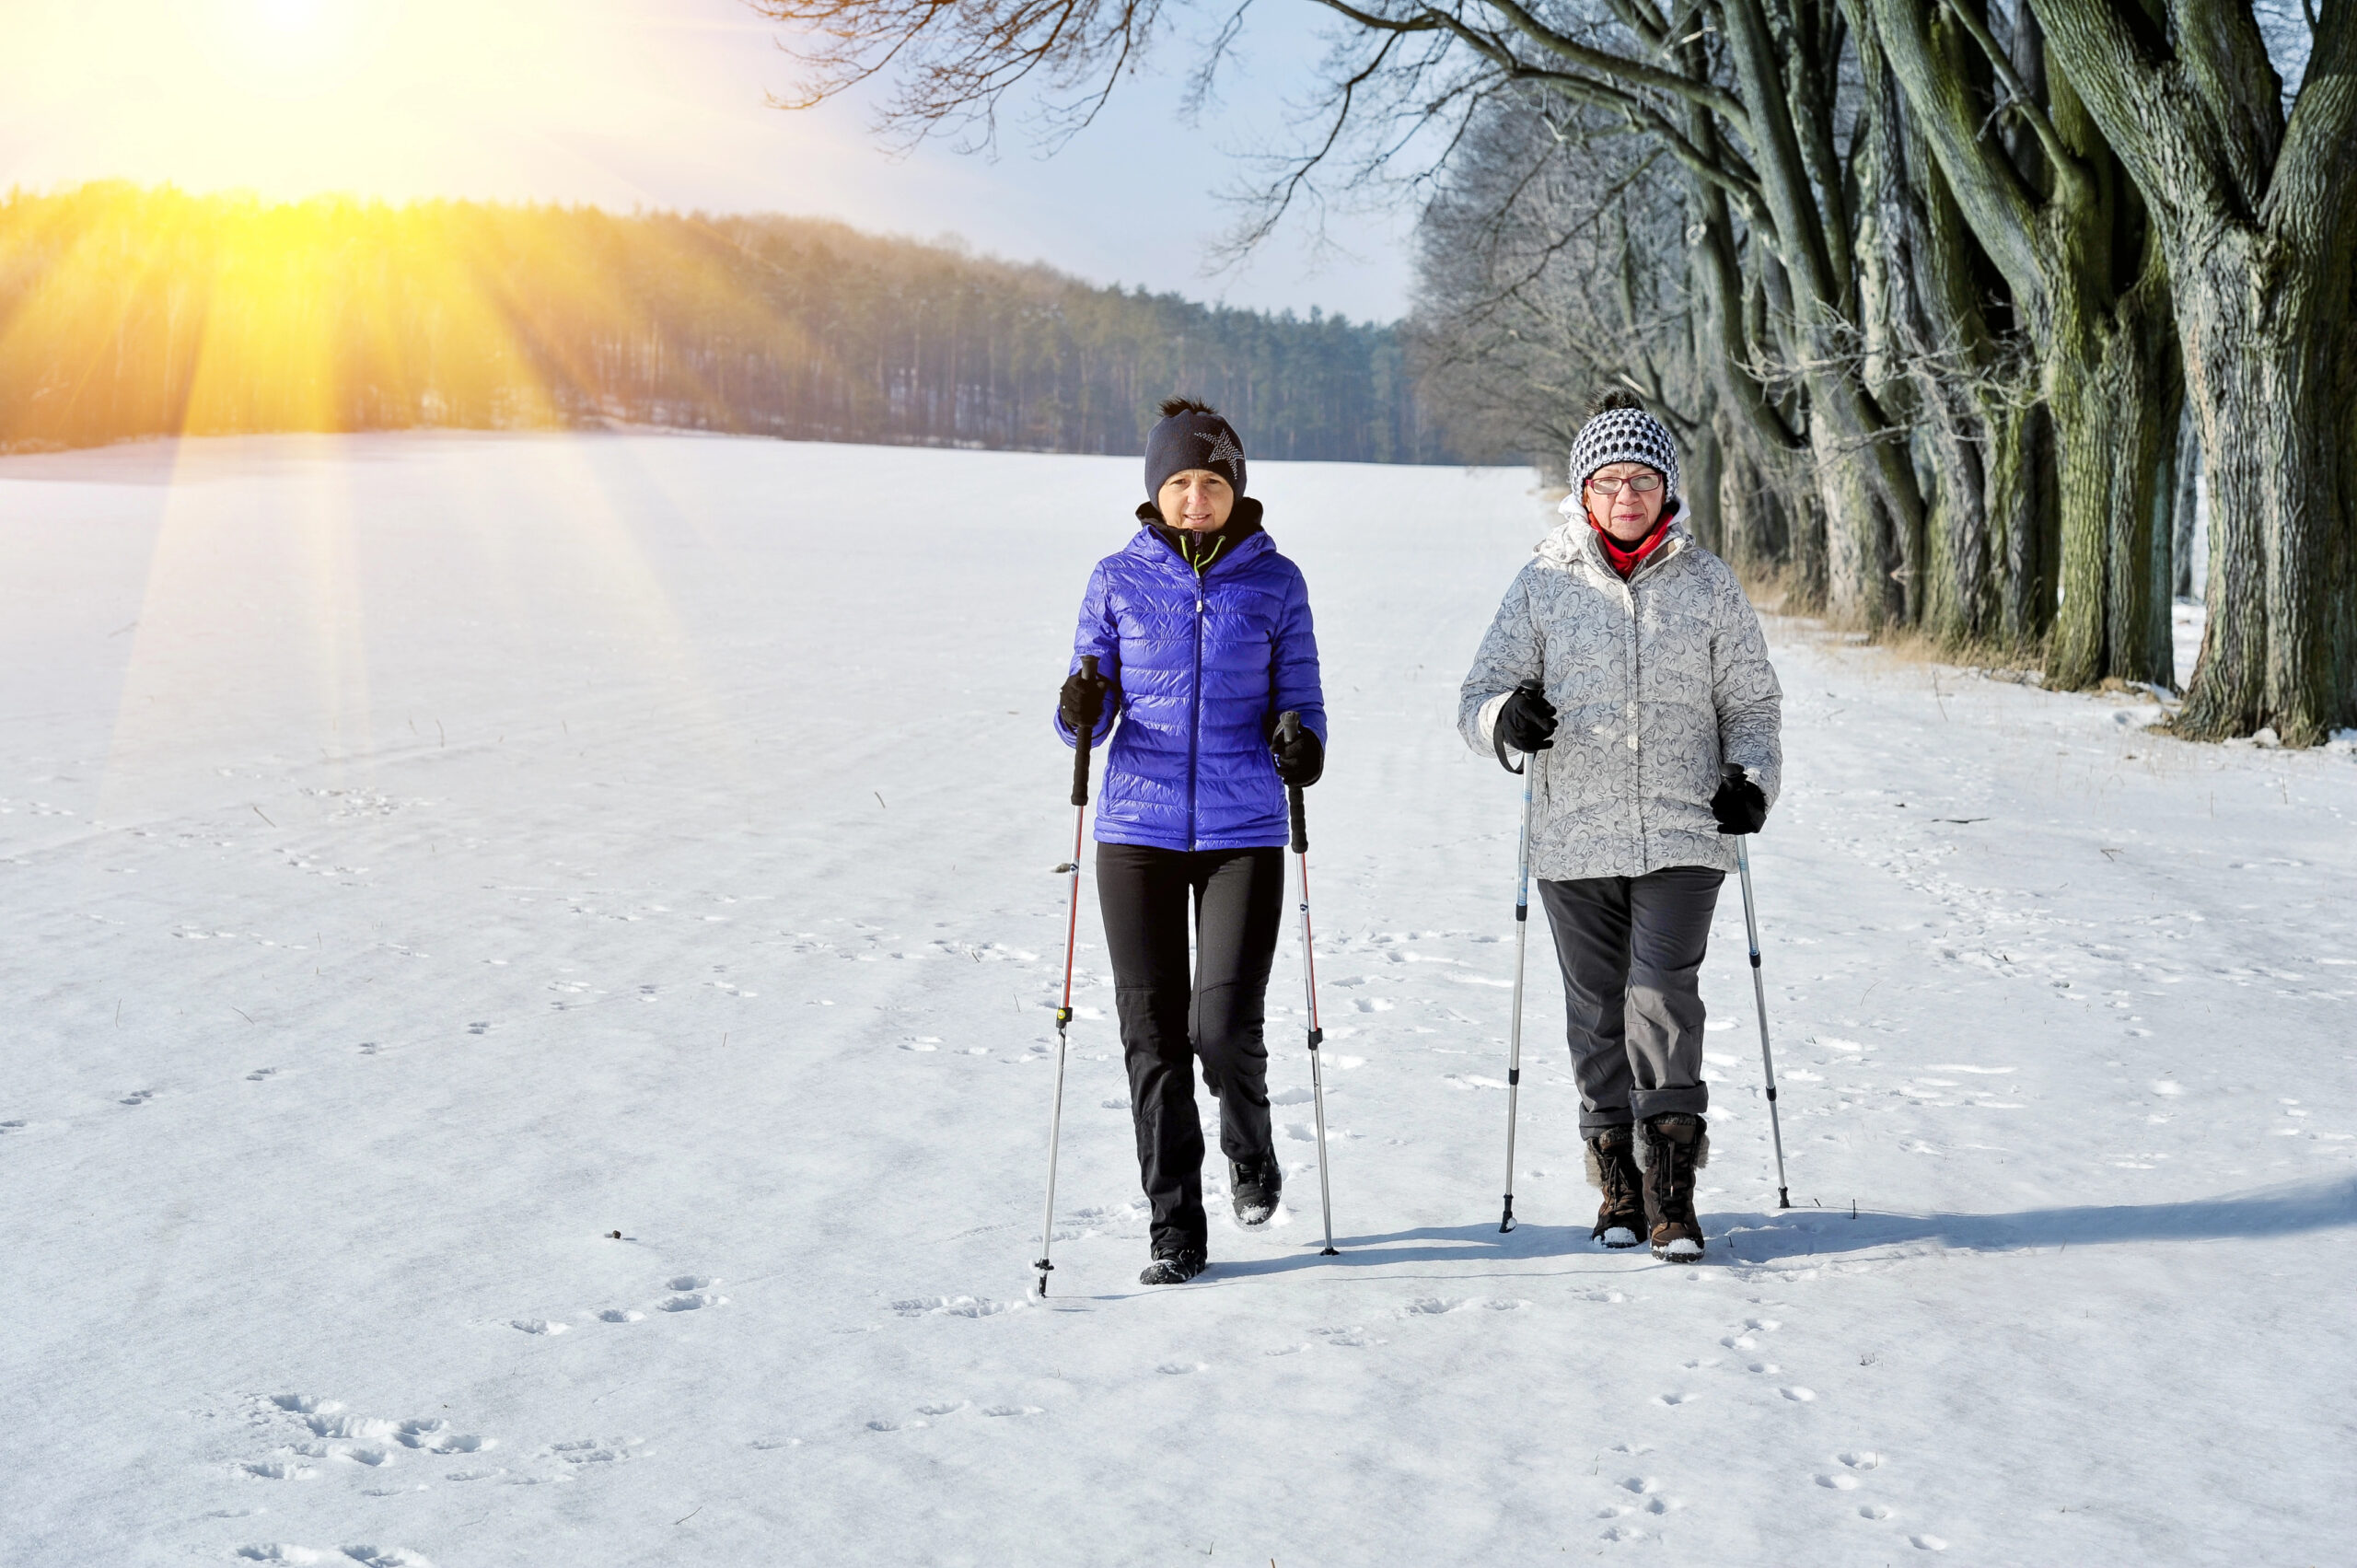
(1082, 704)
(1301, 758)
(1738, 806)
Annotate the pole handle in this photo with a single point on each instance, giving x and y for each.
(1288, 731)
(1086, 737)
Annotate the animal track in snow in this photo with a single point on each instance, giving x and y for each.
(951, 1307)
(1874, 1510)
(688, 1281)
(1928, 1543)
(435, 1437)
(1798, 1395)
(880, 1424)
(770, 1443)
(279, 1470)
(594, 1451)
(1182, 1368)
(11, 1126)
(137, 1097)
(1676, 1399)
(259, 1074)
(1013, 1409)
(1838, 1482)
(1860, 1459)
(539, 1326)
(480, 1028)
(690, 1301)
(621, 1315)
(1434, 1307)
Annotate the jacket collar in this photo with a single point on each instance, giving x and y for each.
(1243, 537)
(1574, 542)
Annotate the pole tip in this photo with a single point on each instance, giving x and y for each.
(1330, 1252)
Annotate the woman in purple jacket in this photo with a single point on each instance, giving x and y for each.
(1201, 635)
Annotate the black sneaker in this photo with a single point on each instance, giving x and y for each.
(1173, 1269)
(1255, 1187)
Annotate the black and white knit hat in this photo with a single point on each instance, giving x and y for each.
(1622, 432)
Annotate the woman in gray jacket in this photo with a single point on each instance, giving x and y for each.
(1657, 734)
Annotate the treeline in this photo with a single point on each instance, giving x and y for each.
(128, 311)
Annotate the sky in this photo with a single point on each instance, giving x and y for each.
(659, 103)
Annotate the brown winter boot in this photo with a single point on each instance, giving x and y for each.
(1612, 1171)
(1671, 1148)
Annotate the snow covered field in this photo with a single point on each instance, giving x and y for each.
(665, 825)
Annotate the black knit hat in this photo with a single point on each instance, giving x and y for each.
(1191, 435)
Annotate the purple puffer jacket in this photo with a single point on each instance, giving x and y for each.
(1201, 670)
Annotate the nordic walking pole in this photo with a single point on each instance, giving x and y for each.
(1760, 999)
(1521, 944)
(1288, 727)
(1064, 1014)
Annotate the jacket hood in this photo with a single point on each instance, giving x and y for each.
(1575, 539)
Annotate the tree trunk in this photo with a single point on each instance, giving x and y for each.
(2266, 346)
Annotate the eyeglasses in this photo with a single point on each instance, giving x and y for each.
(1644, 485)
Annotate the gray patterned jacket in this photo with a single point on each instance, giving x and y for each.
(1654, 681)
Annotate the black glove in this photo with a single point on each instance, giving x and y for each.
(1527, 720)
(1738, 806)
(1083, 700)
(1300, 761)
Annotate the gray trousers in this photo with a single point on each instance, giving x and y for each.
(1631, 950)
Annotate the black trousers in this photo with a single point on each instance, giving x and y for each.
(1632, 950)
(1169, 1016)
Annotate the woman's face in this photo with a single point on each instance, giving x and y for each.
(1629, 514)
(1197, 500)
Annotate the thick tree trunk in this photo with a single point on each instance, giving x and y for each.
(1703, 467)
(2266, 352)
(2115, 405)
(2022, 535)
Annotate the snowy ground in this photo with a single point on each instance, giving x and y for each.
(665, 825)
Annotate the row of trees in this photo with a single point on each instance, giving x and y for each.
(127, 312)
(1950, 299)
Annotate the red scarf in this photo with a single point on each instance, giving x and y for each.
(1627, 557)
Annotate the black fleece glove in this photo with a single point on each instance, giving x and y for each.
(1738, 806)
(1300, 762)
(1527, 720)
(1083, 700)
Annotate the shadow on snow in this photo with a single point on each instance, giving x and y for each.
(2293, 1209)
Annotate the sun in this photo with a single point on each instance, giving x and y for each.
(294, 48)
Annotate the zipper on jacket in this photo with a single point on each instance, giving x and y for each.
(1195, 730)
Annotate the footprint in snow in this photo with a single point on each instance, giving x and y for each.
(1798, 1395)
(692, 1301)
(1677, 1399)
(480, 1028)
(539, 1326)
(259, 1074)
(11, 1126)
(879, 1424)
(1182, 1368)
(1013, 1409)
(770, 1443)
(1860, 1459)
(279, 1470)
(1874, 1510)
(1928, 1543)
(1642, 1485)
(137, 1097)
(1838, 1482)
(621, 1315)
(942, 1407)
